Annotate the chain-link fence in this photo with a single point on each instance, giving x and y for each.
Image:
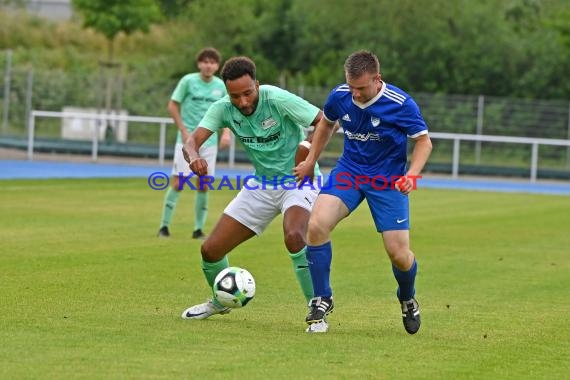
(23, 89)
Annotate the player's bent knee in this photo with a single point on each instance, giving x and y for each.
(294, 241)
(402, 259)
(317, 233)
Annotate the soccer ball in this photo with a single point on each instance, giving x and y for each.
(234, 287)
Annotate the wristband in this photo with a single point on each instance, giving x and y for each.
(306, 144)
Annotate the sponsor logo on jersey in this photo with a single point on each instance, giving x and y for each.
(259, 139)
(204, 99)
(362, 136)
(268, 123)
(346, 117)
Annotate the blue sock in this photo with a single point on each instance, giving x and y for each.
(406, 281)
(319, 259)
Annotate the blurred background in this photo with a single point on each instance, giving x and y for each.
(477, 68)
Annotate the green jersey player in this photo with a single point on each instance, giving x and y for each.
(190, 100)
(269, 123)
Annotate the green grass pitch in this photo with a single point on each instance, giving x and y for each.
(88, 291)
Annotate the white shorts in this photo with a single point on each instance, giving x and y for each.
(207, 153)
(255, 209)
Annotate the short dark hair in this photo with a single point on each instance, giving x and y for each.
(360, 62)
(208, 53)
(237, 67)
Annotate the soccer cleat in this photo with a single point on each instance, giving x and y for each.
(319, 308)
(163, 232)
(319, 327)
(198, 234)
(411, 315)
(204, 310)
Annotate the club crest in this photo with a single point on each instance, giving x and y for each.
(375, 121)
(268, 123)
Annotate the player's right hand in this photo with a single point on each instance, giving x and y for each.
(199, 166)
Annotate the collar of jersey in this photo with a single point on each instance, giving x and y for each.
(371, 101)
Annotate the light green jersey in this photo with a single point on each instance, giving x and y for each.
(195, 96)
(271, 134)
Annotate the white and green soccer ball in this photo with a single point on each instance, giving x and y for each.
(234, 287)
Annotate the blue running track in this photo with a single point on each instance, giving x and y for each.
(20, 169)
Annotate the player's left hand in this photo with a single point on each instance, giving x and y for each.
(405, 185)
(304, 173)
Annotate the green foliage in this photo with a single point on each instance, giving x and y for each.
(462, 47)
(560, 22)
(173, 8)
(515, 48)
(233, 29)
(111, 17)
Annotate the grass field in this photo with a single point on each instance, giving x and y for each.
(88, 291)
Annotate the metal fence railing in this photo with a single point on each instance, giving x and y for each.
(529, 164)
(101, 121)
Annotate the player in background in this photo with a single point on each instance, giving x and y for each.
(191, 98)
(377, 119)
(269, 122)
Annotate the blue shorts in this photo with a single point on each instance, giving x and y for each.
(389, 208)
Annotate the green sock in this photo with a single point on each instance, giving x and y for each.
(170, 200)
(201, 209)
(301, 268)
(211, 270)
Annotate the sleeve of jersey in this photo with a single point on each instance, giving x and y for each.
(179, 92)
(330, 109)
(300, 111)
(213, 120)
(411, 119)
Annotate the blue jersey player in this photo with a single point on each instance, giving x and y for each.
(377, 119)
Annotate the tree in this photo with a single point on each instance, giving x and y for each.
(112, 17)
(173, 8)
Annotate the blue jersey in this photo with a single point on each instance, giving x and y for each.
(375, 133)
